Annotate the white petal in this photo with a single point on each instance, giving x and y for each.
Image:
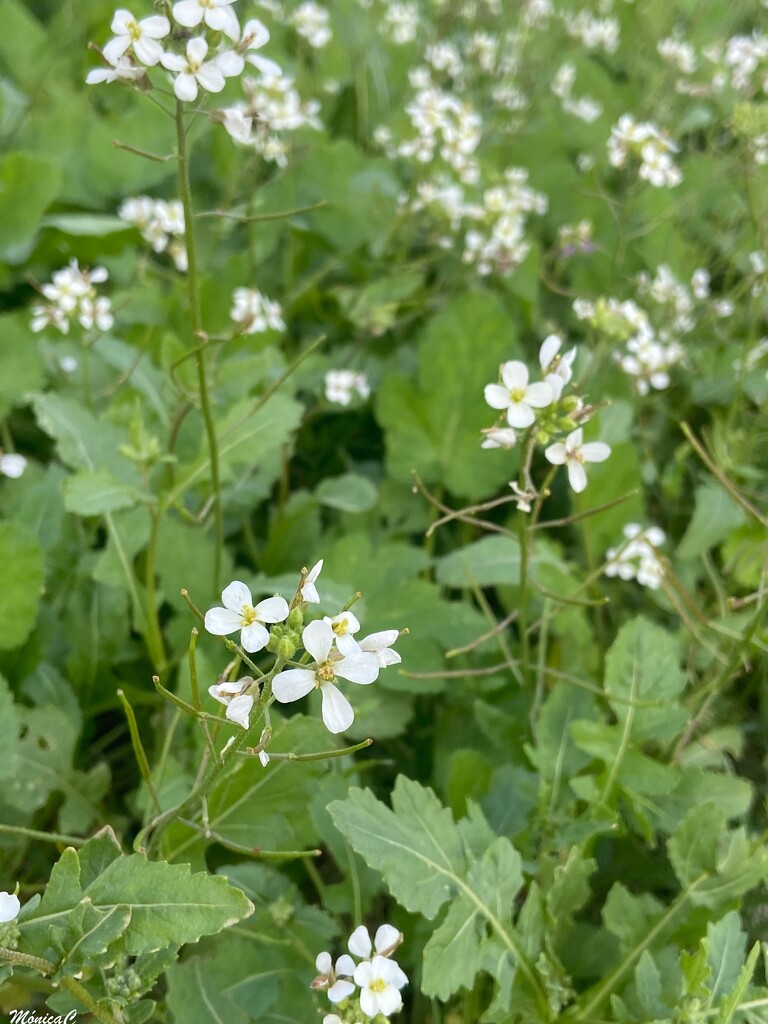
(340, 990)
(520, 415)
(188, 13)
(121, 22)
(360, 668)
(224, 692)
(323, 963)
(148, 51)
(255, 33)
(514, 374)
(318, 640)
(197, 48)
(222, 621)
(369, 1004)
(386, 937)
(263, 64)
(345, 966)
(577, 475)
(173, 62)
(185, 87)
(574, 439)
(235, 596)
(337, 711)
(360, 945)
(224, 19)
(556, 453)
(156, 26)
(496, 396)
(310, 594)
(549, 349)
(12, 465)
(254, 637)
(9, 907)
(239, 709)
(293, 684)
(115, 49)
(595, 451)
(273, 609)
(314, 572)
(539, 394)
(375, 642)
(229, 63)
(390, 1001)
(211, 78)
(348, 646)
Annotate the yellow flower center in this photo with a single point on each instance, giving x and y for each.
(133, 30)
(341, 627)
(249, 615)
(378, 985)
(324, 673)
(517, 394)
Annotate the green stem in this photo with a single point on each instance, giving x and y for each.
(138, 749)
(80, 992)
(154, 633)
(44, 837)
(193, 292)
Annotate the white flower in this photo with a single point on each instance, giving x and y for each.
(556, 368)
(217, 14)
(344, 626)
(360, 668)
(12, 465)
(192, 69)
(239, 705)
(385, 941)
(380, 980)
(524, 498)
(331, 980)
(341, 384)
(309, 590)
(379, 644)
(122, 69)
(239, 613)
(9, 907)
(255, 313)
(311, 21)
(574, 454)
(141, 36)
(517, 396)
(255, 35)
(499, 437)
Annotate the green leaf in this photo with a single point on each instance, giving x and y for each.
(486, 562)
(21, 579)
(89, 225)
(715, 515)
(82, 441)
(9, 732)
(433, 424)
(28, 184)
(21, 368)
(348, 493)
(195, 996)
(725, 945)
(95, 492)
(729, 1005)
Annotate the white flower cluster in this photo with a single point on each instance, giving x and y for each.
(272, 105)
(160, 223)
(342, 385)
(254, 313)
(12, 465)
(677, 52)
(575, 238)
(637, 558)
(522, 403)
(585, 108)
(593, 32)
(445, 126)
(401, 22)
(136, 47)
(311, 22)
(652, 147)
(330, 642)
(72, 297)
(369, 989)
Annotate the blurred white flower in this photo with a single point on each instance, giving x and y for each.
(254, 313)
(140, 36)
(217, 14)
(311, 21)
(12, 465)
(122, 69)
(341, 385)
(192, 70)
(499, 437)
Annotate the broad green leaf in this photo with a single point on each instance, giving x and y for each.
(82, 441)
(21, 579)
(9, 732)
(21, 368)
(486, 562)
(730, 1003)
(89, 224)
(715, 515)
(725, 945)
(95, 492)
(195, 996)
(348, 493)
(28, 184)
(433, 423)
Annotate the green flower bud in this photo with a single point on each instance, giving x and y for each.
(286, 647)
(566, 424)
(570, 402)
(542, 437)
(295, 618)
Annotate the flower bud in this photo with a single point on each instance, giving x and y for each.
(542, 437)
(286, 648)
(570, 402)
(566, 424)
(295, 618)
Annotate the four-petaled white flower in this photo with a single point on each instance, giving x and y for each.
(574, 453)
(141, 36)
(255, 35)
(238, 704)
(331, 979)
(557, 370)
(385, 941)
(344, 626)
(9, 907)
(380, 981)
(193, 70)
(309, 590)
(217, 14)
(517, 396)
(295, 683)
(379, 645)
(12, 465)
(239, 613)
